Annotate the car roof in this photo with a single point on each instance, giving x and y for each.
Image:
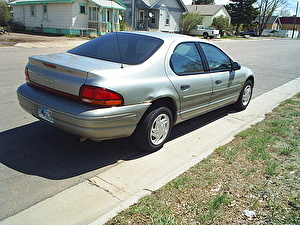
(164, 36)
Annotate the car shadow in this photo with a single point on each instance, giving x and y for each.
(42, 150)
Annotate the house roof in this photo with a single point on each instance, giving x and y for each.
(103, 3)
(109, 4)
(152, 3)
(205, 10)
(289, 20)
(25, 2)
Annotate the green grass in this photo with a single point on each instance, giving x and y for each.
(259, 170)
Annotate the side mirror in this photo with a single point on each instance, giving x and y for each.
(235, 66)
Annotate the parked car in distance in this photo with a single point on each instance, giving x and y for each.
(135, 84)
(251, 33)
(206, 32)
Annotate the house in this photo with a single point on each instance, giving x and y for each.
(288, 23)
(161, 15)
(79, 17)
(282, 27)
(273, 23)
(209, 12)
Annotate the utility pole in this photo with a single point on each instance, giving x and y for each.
(294, 27)
(133, 14)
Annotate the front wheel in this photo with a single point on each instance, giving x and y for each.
(245, 96)
(154, 129)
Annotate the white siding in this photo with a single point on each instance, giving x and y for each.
(80, 20)
(175, 12)
(18, 13)
(59, 16)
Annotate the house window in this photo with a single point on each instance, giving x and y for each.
(142, 15)
(104, 15)
(32, 10)
(116, 16)
(152, 16)
(167, 18)
(93, 14)
(82, 9)
(45, 12)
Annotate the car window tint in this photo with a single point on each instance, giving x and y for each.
(186, 59)
(122, 47)
(217, 60)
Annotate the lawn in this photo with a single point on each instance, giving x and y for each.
(254, 179)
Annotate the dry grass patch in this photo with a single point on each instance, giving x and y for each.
(252, 180)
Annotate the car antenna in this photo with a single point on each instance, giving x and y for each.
(117, 36)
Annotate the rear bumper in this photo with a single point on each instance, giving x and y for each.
(83, 120)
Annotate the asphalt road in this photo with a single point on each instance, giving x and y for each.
(39, 161)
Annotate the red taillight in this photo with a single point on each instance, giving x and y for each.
(27, 75)
(100, 96)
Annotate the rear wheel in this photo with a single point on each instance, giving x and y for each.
(154, 129)
(245, 96)
(205, 35)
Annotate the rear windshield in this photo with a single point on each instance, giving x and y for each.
(120, 47)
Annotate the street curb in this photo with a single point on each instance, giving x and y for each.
(283, 93)
(100, 198)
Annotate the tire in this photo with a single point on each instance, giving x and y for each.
(205, 35)
(245, 96)
(154, 129)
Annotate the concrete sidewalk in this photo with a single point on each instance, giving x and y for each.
(102, 197)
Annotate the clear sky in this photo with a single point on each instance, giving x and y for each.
(291, 5)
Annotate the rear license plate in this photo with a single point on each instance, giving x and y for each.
(45, 114)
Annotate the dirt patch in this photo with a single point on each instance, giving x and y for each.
(14, 38)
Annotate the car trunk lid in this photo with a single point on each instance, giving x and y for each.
(63, 72)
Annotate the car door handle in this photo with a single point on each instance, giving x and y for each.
(217, 82)
(184, 87)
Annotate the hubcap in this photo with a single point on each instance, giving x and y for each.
(247, 95)
(160, 129)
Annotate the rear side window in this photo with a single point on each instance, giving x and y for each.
(186, 60)
(217, 60)
(124, 48)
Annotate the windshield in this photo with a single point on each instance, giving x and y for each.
(125, 48)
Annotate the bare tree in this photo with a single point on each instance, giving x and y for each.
(266, 10)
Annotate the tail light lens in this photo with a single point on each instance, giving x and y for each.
(27, 75)
(100, 96)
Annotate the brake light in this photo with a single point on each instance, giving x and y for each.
(100, 96)
(27, 75)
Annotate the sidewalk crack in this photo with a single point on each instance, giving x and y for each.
(93, 183)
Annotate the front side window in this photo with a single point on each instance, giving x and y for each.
(217, 60)
(186, 59)
(120, 47)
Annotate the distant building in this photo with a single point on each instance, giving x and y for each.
(282, 27)
(79, 17)
(209, 12)
(161, 15)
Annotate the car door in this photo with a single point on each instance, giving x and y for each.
(186, 72)
(225, 84)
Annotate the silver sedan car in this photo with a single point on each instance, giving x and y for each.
(133, 84)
